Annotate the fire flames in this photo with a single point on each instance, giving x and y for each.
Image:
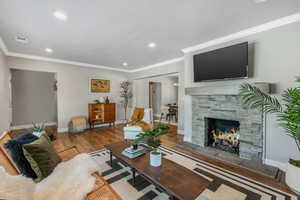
(229, 138)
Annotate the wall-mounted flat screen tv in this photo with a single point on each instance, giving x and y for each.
(225, 63)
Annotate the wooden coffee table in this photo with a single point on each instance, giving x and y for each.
(177, 181)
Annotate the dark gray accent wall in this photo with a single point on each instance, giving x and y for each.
(33, 97)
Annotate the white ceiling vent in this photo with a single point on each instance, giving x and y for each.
(21, 39)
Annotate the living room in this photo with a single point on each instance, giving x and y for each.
(235, 134)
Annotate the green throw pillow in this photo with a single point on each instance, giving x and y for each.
(42, 156)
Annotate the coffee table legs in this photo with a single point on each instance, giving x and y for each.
(133, 175)
(110, 154)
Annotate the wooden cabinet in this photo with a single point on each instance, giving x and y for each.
(102, 114)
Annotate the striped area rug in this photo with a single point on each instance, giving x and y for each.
(224, 185)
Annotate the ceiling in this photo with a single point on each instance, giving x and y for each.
(112, 32)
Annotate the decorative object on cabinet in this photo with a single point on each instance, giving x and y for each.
(99, 85)
(102, 114)
(107, 100)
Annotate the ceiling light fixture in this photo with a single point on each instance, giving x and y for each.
(60, 15)
(48, 50)
(260, 1)
(152, 45)
(22, 39)
(125, 64)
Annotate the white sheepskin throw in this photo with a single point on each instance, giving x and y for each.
(15, 187)
(71, 180)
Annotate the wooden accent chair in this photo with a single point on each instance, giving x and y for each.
(101, 191)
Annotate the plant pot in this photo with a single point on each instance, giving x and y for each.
(155, 159)
(292, 178)
(38, 134)
(134, 146)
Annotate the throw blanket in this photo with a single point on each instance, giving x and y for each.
(136, 119)
(71, 180)
(15, 187)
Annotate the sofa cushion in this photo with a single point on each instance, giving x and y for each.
(14, 148)
(42, 156)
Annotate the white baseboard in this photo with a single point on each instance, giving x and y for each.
(29, 126)
(187, 139)
(65, 130)
(275, 163)
(62, 130)
(180, 132)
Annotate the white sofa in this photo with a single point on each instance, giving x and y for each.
(130, 132)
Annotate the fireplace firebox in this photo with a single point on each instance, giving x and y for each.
(223, 134)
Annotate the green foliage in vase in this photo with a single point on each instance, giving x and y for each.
(39, 127)
(288, 112)
(97, 101)
(151, 137)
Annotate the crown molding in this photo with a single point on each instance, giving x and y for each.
(3, 47)
(157, 64)
(54, 60)
(244, 33)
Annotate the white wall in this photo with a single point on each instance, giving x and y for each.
(73, 93)
(167, 95)
(169, 92)
(5, 115)
(140, 79)
(274, 57)
(33, 97)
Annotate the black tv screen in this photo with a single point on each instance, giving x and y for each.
(226, 63)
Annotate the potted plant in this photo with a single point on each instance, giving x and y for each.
(288, 113)
(151, 138)
(38, 129)
(125, 95)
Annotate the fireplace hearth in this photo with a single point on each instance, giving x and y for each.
(223, 134)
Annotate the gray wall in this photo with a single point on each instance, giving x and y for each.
(73, 94)
(274, 57)
(33, 97)
(5, 115)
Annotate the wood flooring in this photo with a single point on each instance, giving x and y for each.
(95, 139)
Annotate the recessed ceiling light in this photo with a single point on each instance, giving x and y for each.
(125, 64)
(48, 50)
(260, 1)
(60, 15)
(152, 45)
(22, 39)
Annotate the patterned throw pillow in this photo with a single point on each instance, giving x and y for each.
(14, 148)
(42, 156)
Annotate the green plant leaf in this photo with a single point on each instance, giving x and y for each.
(255, 98)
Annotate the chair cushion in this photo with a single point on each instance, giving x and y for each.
(14, 148)
(42, 156)
(133, 128)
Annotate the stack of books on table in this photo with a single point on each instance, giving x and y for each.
(133, 153)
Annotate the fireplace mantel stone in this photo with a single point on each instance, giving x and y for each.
(223, 90)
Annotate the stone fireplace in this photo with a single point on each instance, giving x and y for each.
(222, 121)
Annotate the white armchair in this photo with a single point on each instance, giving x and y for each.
(130, 132)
